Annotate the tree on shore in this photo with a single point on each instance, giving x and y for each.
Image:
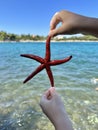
(3, 36)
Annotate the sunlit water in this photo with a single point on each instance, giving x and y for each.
(74, 81)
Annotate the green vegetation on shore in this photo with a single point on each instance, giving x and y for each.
(4, 36)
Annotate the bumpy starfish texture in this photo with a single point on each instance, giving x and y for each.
(45, 63)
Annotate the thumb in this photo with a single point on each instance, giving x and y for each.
(54, 21)
(52, 90)
(50, 93)
(60, 30)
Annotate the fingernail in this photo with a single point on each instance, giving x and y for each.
(56, 13)
(52, 89)
(50, 34)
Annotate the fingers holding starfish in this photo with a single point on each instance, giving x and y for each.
(39, 68)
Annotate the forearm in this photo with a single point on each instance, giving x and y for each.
(73, 23)
(89, 26)
(54, 109)
(64, 126)
(63, 123)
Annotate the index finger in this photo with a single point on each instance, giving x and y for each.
(54, 21)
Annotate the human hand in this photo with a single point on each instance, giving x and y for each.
(53, 107)
(70, 23)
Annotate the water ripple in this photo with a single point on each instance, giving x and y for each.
(75, 81)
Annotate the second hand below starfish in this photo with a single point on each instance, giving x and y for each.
(45, 63)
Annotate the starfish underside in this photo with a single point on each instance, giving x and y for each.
(45, 63)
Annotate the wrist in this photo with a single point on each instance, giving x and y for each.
(88, 26)
(63, 123)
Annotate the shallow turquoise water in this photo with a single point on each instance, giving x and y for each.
(74, 81)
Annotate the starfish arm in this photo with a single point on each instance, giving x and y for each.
(39, 68)
(50, 75)
(48, 54)
(57, 62)
(37, 58)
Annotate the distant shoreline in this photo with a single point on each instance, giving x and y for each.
(31, 41)
(24, 38)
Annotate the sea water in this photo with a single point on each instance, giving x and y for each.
(74, 81)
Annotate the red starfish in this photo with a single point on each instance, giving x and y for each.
(45, 63)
